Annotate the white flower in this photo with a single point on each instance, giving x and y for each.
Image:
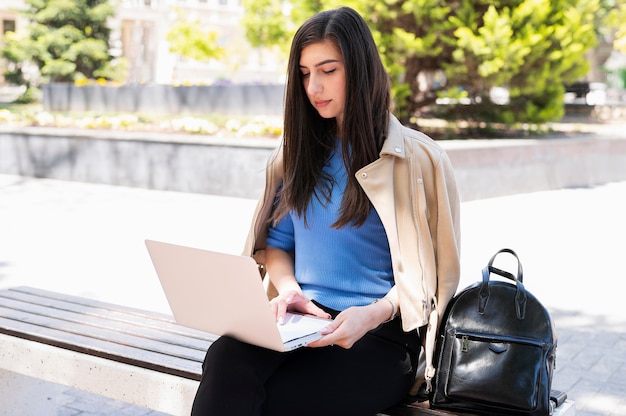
(44, 119)
(194, 125)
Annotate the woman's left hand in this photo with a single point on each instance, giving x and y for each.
(352, 324)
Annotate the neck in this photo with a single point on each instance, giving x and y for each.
(339, 123)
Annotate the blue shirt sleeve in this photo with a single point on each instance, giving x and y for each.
(281, 235)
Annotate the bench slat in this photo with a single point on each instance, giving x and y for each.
(139, 317)
(95, 328)
(100, 348)
(99, 326)
(417, 408)
(131, 336)
(113, 313)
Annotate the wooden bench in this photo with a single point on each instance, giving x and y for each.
(127, 354)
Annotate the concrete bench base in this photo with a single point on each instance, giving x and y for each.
(128, 383)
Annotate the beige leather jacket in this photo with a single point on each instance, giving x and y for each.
(413, 188)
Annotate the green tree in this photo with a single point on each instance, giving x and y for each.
(270, 23)
(190, 40)
(464, 48)
(532, 47)
(266, 22)
(65, 39)
(617, 19)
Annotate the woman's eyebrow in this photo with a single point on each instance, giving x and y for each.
(324, 62)
(327, 61)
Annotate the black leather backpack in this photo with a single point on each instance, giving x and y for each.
(496, 349)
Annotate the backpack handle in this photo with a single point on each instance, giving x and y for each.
(520, 296)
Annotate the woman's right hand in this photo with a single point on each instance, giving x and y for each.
(280, 266)
(295, 301)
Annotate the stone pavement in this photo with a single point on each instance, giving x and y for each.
(87, 240)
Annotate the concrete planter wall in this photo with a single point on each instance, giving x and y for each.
(235, 167)
(493, 168)
(183, 163)
(165, 99)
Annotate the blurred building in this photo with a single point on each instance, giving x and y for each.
(142, 26)
(139, 35)
(139, 31)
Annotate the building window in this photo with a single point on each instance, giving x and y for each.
(8, 26)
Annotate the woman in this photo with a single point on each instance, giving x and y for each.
(359, 222)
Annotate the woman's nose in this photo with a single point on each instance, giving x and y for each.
(315, 86)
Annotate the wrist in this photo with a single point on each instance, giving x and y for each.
(285, 285)
(394, 308)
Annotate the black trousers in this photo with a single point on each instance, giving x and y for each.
(242, 379)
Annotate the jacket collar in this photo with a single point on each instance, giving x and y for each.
(394, 144)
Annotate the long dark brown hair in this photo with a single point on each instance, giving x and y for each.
(309, 138)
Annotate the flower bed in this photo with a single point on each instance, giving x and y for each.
(223, 126)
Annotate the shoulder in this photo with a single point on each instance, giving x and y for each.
(413, 141)
(275, 161)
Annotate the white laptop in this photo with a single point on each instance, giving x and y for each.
(223, 294)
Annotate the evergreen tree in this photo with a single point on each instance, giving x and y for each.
(66, 40)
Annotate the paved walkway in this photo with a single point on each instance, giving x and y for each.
(87, 240)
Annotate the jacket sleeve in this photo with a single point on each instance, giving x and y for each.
(447, 249)
(257, 235)
(448, 244)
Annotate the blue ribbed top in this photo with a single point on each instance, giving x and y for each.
(337, 267)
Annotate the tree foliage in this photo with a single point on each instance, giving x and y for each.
(465, 48)
(532, 48)
(617, 19)
(65, 39)
(190, 40)
(265, 22)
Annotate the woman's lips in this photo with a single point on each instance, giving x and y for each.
(321, 103)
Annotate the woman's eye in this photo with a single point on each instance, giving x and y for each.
(330, 71)
(303, 75)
